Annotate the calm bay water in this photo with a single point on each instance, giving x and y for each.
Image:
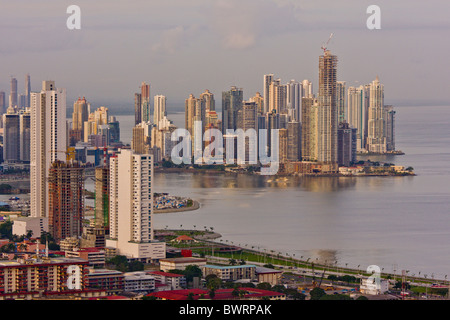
(393, 222)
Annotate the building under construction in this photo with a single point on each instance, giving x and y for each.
(102, 196)
(66, 201)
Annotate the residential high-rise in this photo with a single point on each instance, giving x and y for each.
(11, 136)
(2, 102)
(307, 90)
(208, 99)
(141, 139)
(277, 97)
(114, 130)
(283, 145)
(131, 207)
(247, 119)
(48, 142)
(268, 78)
(390, 128)
(27, 90)
(293, 99)
(346, 144)
(327, 115)
(376, 133)
(25, 136)
(357, 114)
(66, 200)
(259, 100)
(102, 197)
(79, 116)
(13, 93)
(294, 142)
(341, 101)
(231, 103)
(309, 129)
(145, 102)
(159, 109)
(137, 108)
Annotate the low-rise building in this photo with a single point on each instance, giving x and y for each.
(42, 276)
(172, 281)
(94, 256)
(139, 282)
(372, 286)
(180, 263)
(112, 281)
(231, 273)
(268, 275)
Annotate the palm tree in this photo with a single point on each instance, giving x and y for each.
(232, 262)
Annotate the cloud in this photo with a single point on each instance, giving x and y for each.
(175, 38)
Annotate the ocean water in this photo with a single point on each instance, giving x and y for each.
(397, 223)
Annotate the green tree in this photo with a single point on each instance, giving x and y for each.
(317, 293)
(6, 230)
(294, 294)
(135, 266)
(191, 272)
(264, 286)
(148, 298)
(232, 262)
(362, 298)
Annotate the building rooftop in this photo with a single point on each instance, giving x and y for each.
(166, 274)
(220, 294)
(183, 259)
(230, 267)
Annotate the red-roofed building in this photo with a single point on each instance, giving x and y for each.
(183, 239)
(220, 294)
(172, 280)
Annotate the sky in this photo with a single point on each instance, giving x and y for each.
(186, 46)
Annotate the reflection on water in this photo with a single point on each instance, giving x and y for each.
(244, 181)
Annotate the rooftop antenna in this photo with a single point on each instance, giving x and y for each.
(324, 46)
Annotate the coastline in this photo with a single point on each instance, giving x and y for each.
(195, 206)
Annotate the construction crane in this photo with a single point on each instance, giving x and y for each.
(324, 46)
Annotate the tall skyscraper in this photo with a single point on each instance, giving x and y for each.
(341, 100)
(137, 108)
(13, 93)
(209, 101)
(259, 100)
(102, 196)
(277, 97)
(66, 200)
(293, 99)
(145, 103)
(268, 78)
(294, 141)
(327, 120)
(11, 136)
(376, 133)
(160, 109)
(390, 128)
(141, 139)
(309, 129)
(131, 207)
(2, 102)
(346, 144)
(48, 142)
(79, 116)
(231, 103)
(25, 136)
(27, 90)
(247, 119)
(357, 114)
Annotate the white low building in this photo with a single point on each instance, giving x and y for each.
(37, 225)
(372, 286)
(139, 282)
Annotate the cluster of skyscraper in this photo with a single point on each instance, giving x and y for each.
(123, 179)
(329, 127)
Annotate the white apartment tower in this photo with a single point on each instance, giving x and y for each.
(376, 134)
(48, 141)
(160, 109)
(131, 207)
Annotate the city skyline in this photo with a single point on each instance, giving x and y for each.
(174, 57)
